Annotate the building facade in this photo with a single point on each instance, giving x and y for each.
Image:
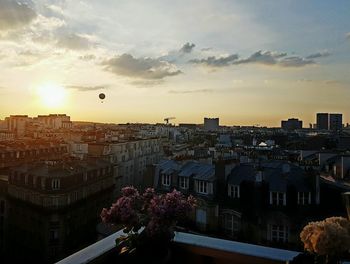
(211, 124)
(54, 207)
(326, 121)
(130, 159)
(291, 124)
(322, 121)
(335, 122)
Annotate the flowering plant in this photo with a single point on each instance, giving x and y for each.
(328, 237)
(157, 214)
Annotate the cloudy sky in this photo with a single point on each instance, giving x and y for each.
(247, 62)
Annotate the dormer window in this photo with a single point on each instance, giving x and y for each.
(56, 184)
(202, 187)
(183, 182)
(166, 179)
(233, 191)
(304, 198)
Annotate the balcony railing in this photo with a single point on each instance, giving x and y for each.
(198, 249)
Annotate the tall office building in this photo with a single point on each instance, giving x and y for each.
(322, 121)
(211, 124)
(328, 121)
(335, 121)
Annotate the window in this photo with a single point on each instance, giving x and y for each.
(202, 187)
(201, 216)
(233, 191)
(183, 182)
(230, 223)
(75, 196)
(304, 198)
(55, 201)
(277, 198)
(166, 179)
(55, 184)
(43, 183)
(78, 147)
(279, 233)
(53, 235)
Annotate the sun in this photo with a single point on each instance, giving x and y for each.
(52, 95)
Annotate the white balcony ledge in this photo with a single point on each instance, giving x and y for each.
(225, 250)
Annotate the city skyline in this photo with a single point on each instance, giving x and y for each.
(246, 63)
(334, 120)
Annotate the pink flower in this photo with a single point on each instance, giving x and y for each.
(130, 191)
(157, 213)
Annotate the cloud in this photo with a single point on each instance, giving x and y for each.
(87, 57)
(144, 68)
(295, 61)
(206, 49)
(55, 10)
(263, 57)
(73, 41)
(320, 54)
(213, 61)
(23, 58)
(146, 83)
(269, 58)
(179, 56)
(191, 91)
(82, 88)
(305, 80)
(272, 58)
(332, 82)
(187, 48)
(15, 14)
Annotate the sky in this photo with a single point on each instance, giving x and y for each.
(246, 62)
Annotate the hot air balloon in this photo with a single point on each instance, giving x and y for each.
(102, 96)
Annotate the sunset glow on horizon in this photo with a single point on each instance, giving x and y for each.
(246, 62)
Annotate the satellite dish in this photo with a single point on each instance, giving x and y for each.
(102, 96)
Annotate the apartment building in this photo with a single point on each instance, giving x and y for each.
(129, 158)
(54, 206)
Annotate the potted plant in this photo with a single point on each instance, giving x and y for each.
(149, 221)
(328, 240)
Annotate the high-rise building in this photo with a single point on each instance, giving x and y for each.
(335, 121)
(292, 124)
(322, 121)
(328, 121)
(211, 124)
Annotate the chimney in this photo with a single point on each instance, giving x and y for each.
(222, 169)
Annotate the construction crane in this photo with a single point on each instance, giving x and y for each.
(166, 120)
